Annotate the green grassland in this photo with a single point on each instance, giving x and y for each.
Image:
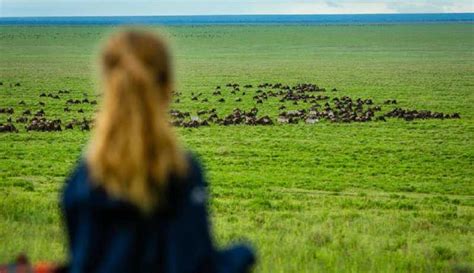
(330, 197)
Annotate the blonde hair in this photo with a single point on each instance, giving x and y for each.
(133, 150)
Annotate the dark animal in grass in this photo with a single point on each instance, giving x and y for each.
(66, 109)
(238, 99)
(40, 113)
(22, 102)
(390, 102)
(8, 128)
(44, 125)
(178, 114)
(27, 112)
(334, 89)
(93, 102)
(410, 115)
(41, 103)
(212, 117)
(217, 92)
(221, 100)
(7, 110)
(17, 84)
(248, 86)
(277, 85)
(85, 101)
(42, 95)
(1, 83)
(22, 120)
(63, 91)
(194, 98)
(194, 123)
(205, 100)
(265, 120)
(177, 123)
(191, 124)
(85, 125)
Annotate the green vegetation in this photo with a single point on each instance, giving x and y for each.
(359, 197)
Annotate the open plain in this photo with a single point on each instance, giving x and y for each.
(325, 195)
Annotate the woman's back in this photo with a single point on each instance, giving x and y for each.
(111, 235)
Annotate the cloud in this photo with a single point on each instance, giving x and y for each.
(333, 4)
(431, 6)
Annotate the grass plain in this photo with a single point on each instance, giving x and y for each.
(359, 197)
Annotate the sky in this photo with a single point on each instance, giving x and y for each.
(21, 8)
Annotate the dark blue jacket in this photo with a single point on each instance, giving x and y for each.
(108, 235)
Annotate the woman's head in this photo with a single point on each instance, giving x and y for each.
(143, 58)
(133, 150)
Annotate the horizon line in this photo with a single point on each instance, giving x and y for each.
(240, 14)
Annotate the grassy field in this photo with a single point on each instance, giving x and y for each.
(330, 197)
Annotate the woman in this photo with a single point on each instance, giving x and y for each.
(136, 202)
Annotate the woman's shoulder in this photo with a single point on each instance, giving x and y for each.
(194, 162)
(181, 184)
(78, 174)
(75, 187)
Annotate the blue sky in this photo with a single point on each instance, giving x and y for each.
(11, 8)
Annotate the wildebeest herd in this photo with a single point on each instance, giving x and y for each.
(315, 104)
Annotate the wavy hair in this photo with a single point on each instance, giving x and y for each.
(133, 150)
